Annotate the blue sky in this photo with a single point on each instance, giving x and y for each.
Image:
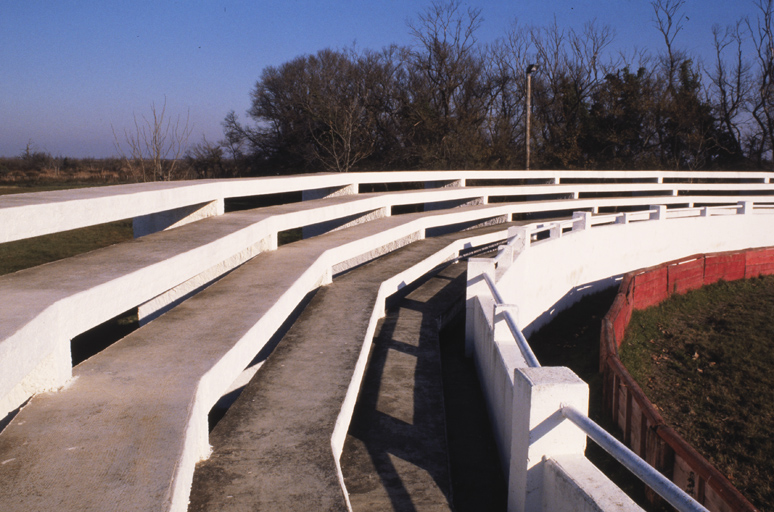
(71, 70)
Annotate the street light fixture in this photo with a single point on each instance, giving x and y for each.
(530, 69)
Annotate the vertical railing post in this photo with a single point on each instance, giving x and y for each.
(520, 236)
(660, 212)
(581, 220)
(476, 287)
(539, 429)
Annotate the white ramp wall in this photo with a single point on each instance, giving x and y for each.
(552, 274)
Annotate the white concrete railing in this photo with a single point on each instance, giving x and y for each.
(170, 204)
(545, 267)
(634, 463)
(160, 205)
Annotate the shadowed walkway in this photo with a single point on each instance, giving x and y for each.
(396, 455)
(272, 449)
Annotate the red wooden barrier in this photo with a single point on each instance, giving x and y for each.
(644, 430)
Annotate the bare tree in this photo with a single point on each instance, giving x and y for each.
(761, 105)
(507, 61)
(669, 19)
(156, 144)
(339, 91)
(730, 85)
(570, 68)
(450, 92)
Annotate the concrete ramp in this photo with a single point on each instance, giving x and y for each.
(272, 450)
(128, 429)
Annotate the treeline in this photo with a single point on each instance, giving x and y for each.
(449, 101)
(38, 167)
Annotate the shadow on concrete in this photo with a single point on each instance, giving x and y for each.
(4, 422)
(477, 479)
(568, 300)
(98, 338)
(397, 457)
(222, 405)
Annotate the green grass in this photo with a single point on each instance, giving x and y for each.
(26, 188)
(30, 252)
(571, 339)
(705, 359)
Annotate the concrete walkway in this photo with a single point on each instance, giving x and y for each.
(272, 450)
(396, 455)
(126, 432)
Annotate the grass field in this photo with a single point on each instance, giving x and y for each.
(572, 340)
(705, 359)
(31, 252)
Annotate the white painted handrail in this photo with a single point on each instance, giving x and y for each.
(534, 274)
(660, 484)
(521, 341)
(27, 215)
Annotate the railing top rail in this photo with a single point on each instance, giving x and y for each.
(521, 341)
(644, 471)
(39, 213)
(320, 180)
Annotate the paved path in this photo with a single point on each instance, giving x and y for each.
(272, 449)
(129, 426)
(396, 455)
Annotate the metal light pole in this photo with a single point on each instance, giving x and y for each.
(530, 69)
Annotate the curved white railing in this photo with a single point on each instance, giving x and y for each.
(521, 341)
(450, 200)
(661, 485)
(28, 215)
(503, 291)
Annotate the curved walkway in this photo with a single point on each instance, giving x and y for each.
(133, 421)
(272, 449)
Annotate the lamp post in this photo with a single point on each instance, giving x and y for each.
(530, 69)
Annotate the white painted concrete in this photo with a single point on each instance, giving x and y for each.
(543, 279)
(536, 276)
(540, 431)
(151, 223)
(38, 323)
(27, 215)
(547, 267)
(573, 484)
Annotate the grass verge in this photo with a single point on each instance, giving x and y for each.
(30, 252)
(705, 359)
(571, 339)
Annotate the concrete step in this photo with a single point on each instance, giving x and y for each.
(272, 449)
(45, 307)
(132, 423)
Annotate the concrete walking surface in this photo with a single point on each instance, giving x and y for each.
(272, 449)
(117, 432)
(396, 455)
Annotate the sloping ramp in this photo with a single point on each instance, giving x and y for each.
(272, 450)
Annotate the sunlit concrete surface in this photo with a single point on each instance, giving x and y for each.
(177, 366)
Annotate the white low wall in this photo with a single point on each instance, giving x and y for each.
(28, 215)
(535, 280)
(555, 273)
(36, 330)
